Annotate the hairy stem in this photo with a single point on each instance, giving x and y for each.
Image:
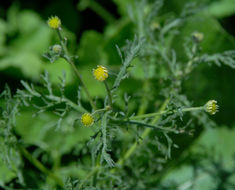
(156, 127)
(67, 101)
(109, 93)
(69, 60)
(163, 112)
(101, 110)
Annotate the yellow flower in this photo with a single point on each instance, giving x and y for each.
(211, 107)
(87, 119)
(54, 22)
(100, 73)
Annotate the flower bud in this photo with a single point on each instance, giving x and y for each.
(211, 107)
(197, 36)
(57, 48)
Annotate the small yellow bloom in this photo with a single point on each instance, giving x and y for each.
(211, 107)
(87, 119)
(100, 73)
(54, 22)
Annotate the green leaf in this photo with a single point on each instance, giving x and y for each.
(3, 30)
(28, 63)
(222, 8)
(215, 40)
(56, 69)
(36, 41)
(123, 6)
(42, 131)
(221, 141)
(5, 173)
(90, 50)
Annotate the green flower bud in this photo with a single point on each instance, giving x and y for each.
(57, 48)
(211, 107)
(197, 36)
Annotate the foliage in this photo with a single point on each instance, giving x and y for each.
(146, 116)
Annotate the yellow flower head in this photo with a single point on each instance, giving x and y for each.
(100, 73)
(87, 119)
(54, 22)
(211, 107)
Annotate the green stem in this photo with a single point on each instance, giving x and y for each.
(67, 101)
(102, 12)
(101, 110)
(68, 59)
(163, 112)
(147, 130)
(156, 127)
(109, 93)
(166, 59)
(131, 150)
(40, 166)
(96, 169)
(145, 100)
(57, 160)
(193, 109)
(148, 115)
(90, 174)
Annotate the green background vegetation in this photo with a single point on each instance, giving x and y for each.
(25, 36)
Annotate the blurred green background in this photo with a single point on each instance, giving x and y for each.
(25, 36)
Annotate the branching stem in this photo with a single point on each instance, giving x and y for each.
(131, 150)
(67, 101)
(101, 110)
(69, 60)
(165, 111)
